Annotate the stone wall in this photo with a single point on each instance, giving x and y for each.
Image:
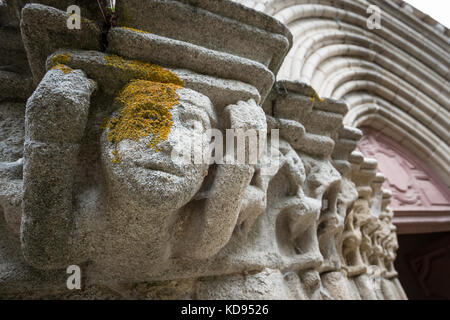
(91, 118)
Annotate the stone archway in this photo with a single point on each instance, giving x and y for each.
(421, 202)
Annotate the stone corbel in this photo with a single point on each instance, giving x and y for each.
(235, 83)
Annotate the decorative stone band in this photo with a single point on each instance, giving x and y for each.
(222, 26)
(325, 231)
(112, 72)
(366, 238)
(422, 221)
(305, 120)
(345, 142)
(189, 50)
(183, 55)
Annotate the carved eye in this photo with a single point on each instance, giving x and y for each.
(194, 124)
(191, 120)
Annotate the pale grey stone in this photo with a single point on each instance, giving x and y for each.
(316, 226)
(11, 131)
(40, 22)
(178, 54)
(219, 25)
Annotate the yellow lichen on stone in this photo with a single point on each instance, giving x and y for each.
(116, 157)
(143, 70)
(63, 68)
(135, 30)
(60, 59)
(145, 111)
(146, 103)
(313, 96)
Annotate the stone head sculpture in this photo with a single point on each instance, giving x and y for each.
(389, 241)
(308, 125)
(382, 230)
(352, 236)
(152, 175)
(128, 170)
(363, 175)
(144, 114)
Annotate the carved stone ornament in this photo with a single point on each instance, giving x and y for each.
(94, 125)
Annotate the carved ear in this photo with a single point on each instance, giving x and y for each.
(246, 115)
(247, 119)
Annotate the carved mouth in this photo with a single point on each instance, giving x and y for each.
(165, 166)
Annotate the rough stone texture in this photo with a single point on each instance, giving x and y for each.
(13, 57)
(150, 226)
(265, 285)
(55, 33)
(177, 54)
(111, 79)
(12, 127)
(219, 25)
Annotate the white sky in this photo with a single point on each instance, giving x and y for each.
(439, 10)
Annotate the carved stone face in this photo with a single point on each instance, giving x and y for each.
(329, 224)
(352, 239)
(369, 226)
(377, 251)
(392, 246)
(156, 179)
(322, 179)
